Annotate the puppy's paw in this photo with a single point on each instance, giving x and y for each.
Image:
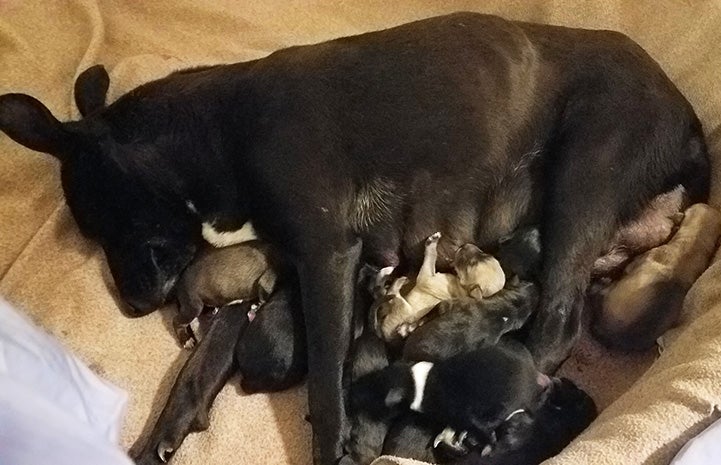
(433, 238)
(185, 336)
(165, 452)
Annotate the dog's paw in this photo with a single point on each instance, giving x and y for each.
(433, 238)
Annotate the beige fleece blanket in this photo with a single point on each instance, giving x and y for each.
(62, 282)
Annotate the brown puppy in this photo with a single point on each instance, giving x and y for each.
(220, 276)
(478, 275)
(635, 310)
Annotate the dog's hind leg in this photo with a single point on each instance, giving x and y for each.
(202, 377)
(599, 176)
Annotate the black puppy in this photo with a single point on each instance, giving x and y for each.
(461, 325)
(272, 355)
(368, 355)
(465, 123)
(267, 346)
(530, 437)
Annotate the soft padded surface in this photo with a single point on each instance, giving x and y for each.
(62, 282)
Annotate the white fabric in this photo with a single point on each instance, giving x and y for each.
(53, 409)
(704, 449)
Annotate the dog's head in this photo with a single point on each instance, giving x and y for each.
(120, 181)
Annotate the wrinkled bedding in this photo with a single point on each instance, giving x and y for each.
(652, 405)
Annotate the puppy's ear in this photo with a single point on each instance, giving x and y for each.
(30, 123)
(91, 88)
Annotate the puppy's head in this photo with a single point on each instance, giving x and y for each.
(478, 272)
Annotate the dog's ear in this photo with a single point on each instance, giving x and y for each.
(91, 88)
(30, 123)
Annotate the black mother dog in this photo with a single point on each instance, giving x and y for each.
(466, 124)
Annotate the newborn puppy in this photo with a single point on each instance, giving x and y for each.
(478, 274)
(200, 380)
(530, 437)
(369, 355)
(271, 355)
(472, 393)
(461, 325)
(634, 311)
(266, 344)
(217, 277)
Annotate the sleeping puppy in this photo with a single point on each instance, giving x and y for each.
(477, 274)
(219, 276)
(471, 393)
(272, 355)
(634, 311)
(530, 437)
(461, 325)
(266, 344)
(207, 370)
(368, 355)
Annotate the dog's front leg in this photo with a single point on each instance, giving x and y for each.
(327, 276)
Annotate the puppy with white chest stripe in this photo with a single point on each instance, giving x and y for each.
(472, 392)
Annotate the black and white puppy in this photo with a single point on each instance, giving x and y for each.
(473, 392)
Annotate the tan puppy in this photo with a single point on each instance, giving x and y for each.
(219, 276)
(478, 275)
(635, 310)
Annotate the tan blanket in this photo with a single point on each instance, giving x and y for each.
(62, 282)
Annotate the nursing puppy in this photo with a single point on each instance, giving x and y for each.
(219, 276)
(461, 325)
(634, 311)
(477, 274)
(471, 393)
(265, 344)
